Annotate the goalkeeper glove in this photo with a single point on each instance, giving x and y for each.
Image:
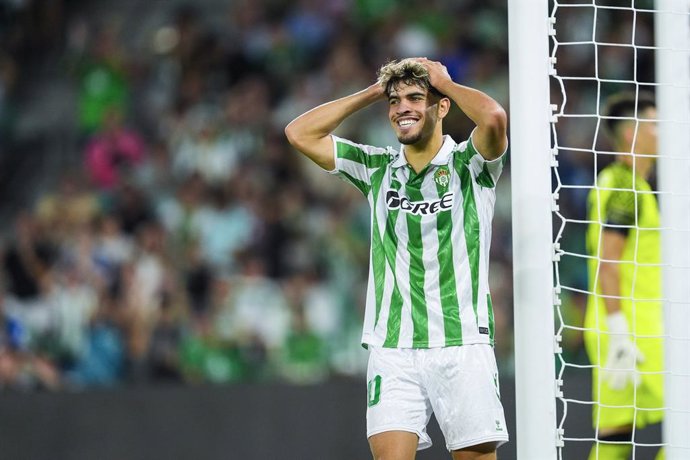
(623, 355)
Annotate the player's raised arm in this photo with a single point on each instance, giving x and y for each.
(490, 138)
(310, 133)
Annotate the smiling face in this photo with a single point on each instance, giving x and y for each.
(413, 112)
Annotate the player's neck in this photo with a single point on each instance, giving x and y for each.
(641, 165)
(420, 154)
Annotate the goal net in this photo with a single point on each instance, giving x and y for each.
(598, 48)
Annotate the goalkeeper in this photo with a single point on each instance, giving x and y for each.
(623, 321)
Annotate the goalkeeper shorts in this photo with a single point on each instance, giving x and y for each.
(458, 384)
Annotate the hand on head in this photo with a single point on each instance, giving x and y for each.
(438, 73)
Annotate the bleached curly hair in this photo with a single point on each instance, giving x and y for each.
(407, 71)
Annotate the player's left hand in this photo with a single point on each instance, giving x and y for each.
(621, 364)
(438, 73)
(623, 355)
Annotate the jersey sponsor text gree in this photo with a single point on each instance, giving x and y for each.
(395, 201)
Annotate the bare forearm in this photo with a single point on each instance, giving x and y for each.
(611, 252)
(491, 119)
(477, 105)
(324, 119)
(609, 281)
(309, 133)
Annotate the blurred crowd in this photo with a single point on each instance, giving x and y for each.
(183, 240)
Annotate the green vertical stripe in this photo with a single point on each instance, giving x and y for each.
(490, 307)
(420, 323)
(464, 155)
(360, 184)
(352, 153)
(484, 178)
(378, 256)
(471, 226)
(390, 246)
(446, 277)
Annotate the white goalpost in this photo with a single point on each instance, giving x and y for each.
(673, 103)
(532, 248)
(566, 57)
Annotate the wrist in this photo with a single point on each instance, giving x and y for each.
(375, 90)
(617, 323)
(444, 85)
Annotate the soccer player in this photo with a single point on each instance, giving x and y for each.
(428, 322)
(624, 313)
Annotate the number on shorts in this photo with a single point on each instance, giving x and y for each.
(374, 391)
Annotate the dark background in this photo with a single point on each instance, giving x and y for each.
(325, 421)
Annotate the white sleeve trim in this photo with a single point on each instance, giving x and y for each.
(335, 169)
(474, 147)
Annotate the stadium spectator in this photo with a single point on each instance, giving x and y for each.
(112, 152)
(72, 205)
(102, 73)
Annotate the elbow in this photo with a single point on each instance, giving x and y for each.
(317, 148)
(296, 136)
(496, 120)
(292, 134)
(493, 129)
(300, 139)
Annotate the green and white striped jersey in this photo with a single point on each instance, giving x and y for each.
(429, 259)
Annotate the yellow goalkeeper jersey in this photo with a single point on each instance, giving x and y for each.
(625, 202)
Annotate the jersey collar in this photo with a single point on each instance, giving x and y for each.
(440, 159)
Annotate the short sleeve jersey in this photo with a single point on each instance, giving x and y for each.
(429, 258)
(624, 202)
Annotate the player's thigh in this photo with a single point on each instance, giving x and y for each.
(486, 451)
(396, 397)
(394, 445)
(463, 389)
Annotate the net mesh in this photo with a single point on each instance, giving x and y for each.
(598, 48)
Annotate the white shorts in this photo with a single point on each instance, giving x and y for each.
(458, 384)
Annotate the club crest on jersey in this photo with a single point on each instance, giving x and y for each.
(442, 176)
(395, 201)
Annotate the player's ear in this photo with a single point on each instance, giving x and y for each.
(627, 133)
(443, 107)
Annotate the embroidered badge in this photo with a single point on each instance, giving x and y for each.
(442, 176)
